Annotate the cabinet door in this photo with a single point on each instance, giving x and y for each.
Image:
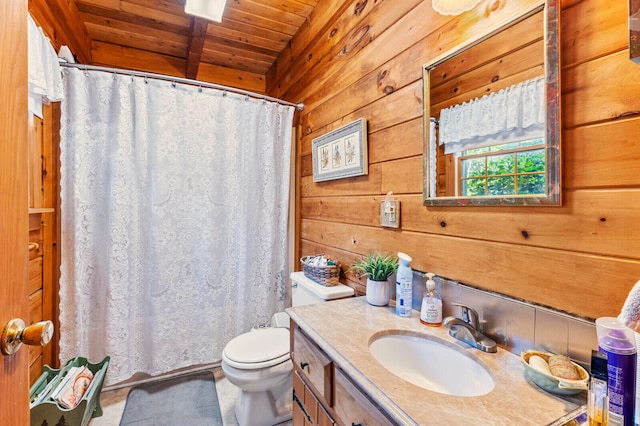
(323, 417)
(300, 415)
(307, 410)
(352, 407)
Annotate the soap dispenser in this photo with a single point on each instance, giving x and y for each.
(431, 311)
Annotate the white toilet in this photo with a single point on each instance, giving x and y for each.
(258, 361)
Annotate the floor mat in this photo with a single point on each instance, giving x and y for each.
(186, 400)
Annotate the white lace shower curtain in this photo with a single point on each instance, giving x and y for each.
(174, 220)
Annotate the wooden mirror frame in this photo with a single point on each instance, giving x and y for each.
(552, 195)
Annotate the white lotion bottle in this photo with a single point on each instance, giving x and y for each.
(431, 310)
(404, 281)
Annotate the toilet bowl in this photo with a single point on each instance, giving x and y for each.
(258, 361)
(263, 376)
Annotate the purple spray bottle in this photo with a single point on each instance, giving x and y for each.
(618, 341)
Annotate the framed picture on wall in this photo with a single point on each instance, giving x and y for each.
(341, 153)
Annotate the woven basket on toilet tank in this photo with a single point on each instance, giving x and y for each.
(328, 275)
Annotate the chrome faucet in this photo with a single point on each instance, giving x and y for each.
(466, 330)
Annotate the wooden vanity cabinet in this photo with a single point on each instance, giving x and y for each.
(352, 407)
(322, 394)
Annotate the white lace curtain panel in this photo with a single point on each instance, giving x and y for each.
(174, 220)
(511, 114)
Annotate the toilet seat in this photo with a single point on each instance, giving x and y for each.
(258, 349)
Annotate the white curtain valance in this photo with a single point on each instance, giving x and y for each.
(512, 114)
(45, 77)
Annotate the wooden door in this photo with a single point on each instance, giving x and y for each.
(14, 229)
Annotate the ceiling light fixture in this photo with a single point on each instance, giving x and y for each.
(453, 7)
(208, 9)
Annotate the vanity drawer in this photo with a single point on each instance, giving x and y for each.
(314, 365)
(352, 407)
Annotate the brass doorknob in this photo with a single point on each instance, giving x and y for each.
(15, 334)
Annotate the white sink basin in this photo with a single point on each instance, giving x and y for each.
(432, 365)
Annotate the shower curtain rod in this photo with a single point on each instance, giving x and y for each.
(299, 106)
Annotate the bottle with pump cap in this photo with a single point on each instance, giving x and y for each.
(431, 311)
(404, 281)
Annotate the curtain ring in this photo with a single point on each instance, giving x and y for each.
(224, 93)
(145, 79)
(173, 84)
(200, 89)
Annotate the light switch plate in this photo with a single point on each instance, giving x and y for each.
(390, 214)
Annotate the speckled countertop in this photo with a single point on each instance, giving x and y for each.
(344, 328)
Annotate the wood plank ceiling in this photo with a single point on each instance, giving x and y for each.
(250, 37)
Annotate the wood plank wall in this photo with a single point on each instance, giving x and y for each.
(359, 58)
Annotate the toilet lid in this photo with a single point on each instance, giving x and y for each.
(260, 348)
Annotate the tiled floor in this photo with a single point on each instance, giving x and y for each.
(113, 403)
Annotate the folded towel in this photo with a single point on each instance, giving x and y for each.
(630, 314)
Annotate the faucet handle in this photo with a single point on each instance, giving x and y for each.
(469, 315)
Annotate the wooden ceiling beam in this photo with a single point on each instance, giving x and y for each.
(61, 21)
(197, 34)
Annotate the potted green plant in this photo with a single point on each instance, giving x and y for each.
(377, 268)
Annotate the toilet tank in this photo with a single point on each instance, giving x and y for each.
(305, 291)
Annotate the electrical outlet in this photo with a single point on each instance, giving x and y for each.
(390, 214)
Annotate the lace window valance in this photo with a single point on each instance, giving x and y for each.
(512, 114)
(45, 77)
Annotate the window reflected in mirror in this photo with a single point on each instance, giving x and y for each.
(517, 168)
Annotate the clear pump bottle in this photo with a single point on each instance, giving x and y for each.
(431, 310)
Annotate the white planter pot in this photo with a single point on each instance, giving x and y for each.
(378, 292)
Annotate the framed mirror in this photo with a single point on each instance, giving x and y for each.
(492, 116)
